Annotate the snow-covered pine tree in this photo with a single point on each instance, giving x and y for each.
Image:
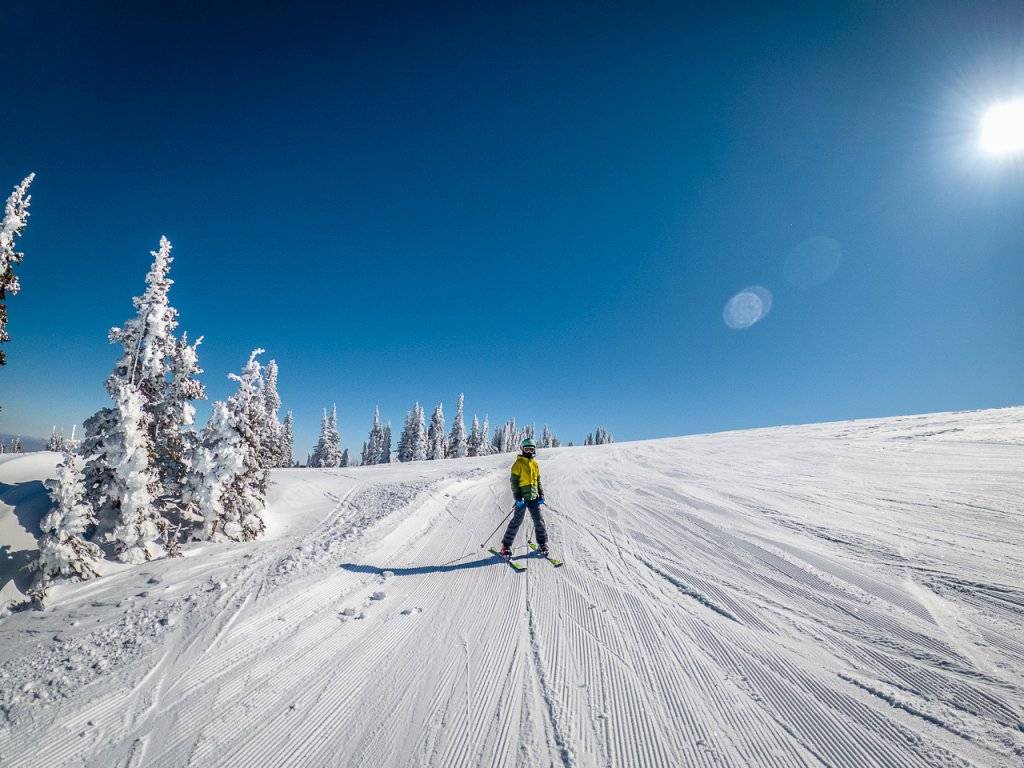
(175, 438)
(315, 458)
(602, 437)
(473, 443)
(385, 446)
(229, 482)
(63, 552)
(288, 440)
(272, 405)
(484, 446)
(412, 443)
(545, 437)
(333, 439)
(16, 445)
(11, 228)
(458, 445)
(155, 372)
(589, 439)
(555, 442)
(218, 461)
(436, 441)
(344, 458)
(57, 442)
(138, 526)
(327, 452)
(419, 444)
(373, 448)
(507, 438)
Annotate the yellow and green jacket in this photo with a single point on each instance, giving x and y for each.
(526, 479)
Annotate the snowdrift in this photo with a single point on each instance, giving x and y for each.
(844, 594)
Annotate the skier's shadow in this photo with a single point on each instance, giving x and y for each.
(420, 570)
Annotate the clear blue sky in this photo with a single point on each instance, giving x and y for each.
(547, 208)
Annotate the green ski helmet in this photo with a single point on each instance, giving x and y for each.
(528, 442)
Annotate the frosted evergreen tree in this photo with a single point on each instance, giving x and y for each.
(589, 440)
(458, 444)
(63, 552)
(385, 454)
(138, 526)
(484, 448)
(275, 450)
(218, 462)
(155, 372)
(228, 485)
(555, 442)
(11, 228)
(288, 440)
(344, 458)
(57, 442)
(601, 436)
(436, 441)
(419, 445)
(545, 437)
(407, 439)
(507, 438)
(327, 452)
(373, 448)
(473, 443)
(16, 444)
(175, 438)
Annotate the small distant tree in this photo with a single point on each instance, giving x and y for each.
(458, 445)
(412, 444)
(57, 442)
(484, 446)
(63, 552)
(288, 441)
(327, 452)
(473, 443)
(385, 448)
(344, 458)
(436, 443)
(274, 431)
(373, 449)
(11, 228)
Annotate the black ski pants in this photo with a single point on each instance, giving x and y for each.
(517, 520)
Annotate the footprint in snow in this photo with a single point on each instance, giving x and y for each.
(412, 611)
(378, 596)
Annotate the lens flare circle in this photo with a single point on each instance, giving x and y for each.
(1002, 128)
(749, 306)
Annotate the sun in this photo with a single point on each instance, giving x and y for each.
(1002, 128)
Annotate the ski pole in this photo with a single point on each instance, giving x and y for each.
(506, 517)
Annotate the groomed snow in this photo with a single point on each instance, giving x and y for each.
(846, 594)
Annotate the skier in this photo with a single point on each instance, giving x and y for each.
(528, 493)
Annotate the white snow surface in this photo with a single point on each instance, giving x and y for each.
(846, 594)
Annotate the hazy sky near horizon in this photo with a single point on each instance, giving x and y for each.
(556, 208)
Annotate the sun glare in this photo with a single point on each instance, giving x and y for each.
(1002, 128)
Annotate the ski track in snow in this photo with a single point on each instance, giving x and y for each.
(846, 594)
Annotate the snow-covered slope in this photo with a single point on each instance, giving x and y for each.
(841, 594)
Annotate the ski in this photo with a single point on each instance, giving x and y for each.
(553, 560)
(517, 567)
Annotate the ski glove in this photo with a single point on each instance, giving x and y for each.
(520, 503)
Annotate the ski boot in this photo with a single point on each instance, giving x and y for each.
(506, 552)
(543, 549)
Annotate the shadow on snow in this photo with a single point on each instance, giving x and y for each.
(421, 570)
